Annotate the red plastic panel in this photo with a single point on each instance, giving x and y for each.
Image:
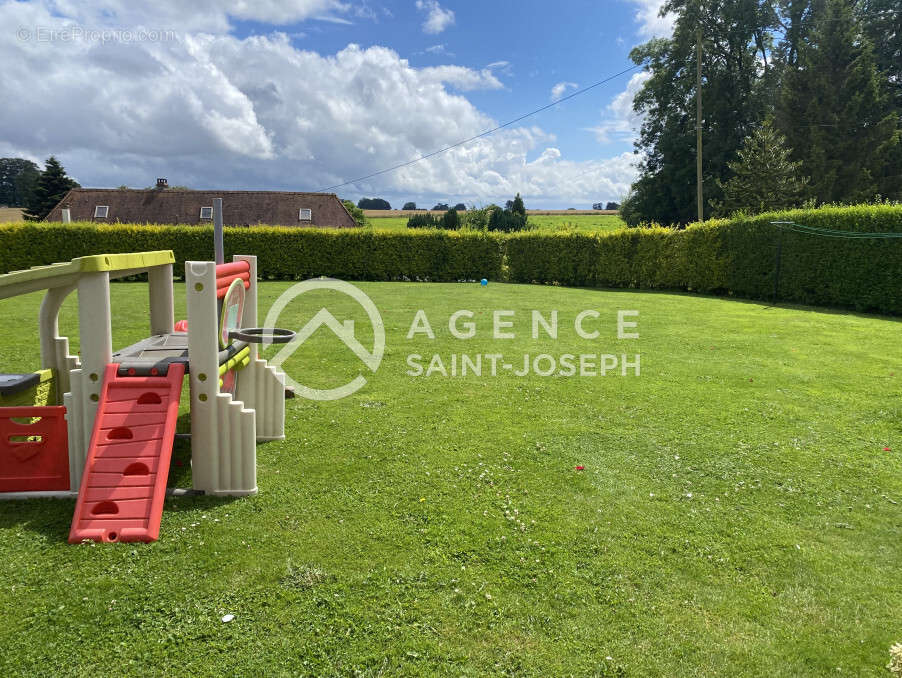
(124, 484)
(34, 457)
(232, 268)
(223, 284)
(226, 273)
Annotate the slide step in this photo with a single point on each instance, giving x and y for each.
(124, 484)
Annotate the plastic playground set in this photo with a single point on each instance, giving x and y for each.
(101, 425)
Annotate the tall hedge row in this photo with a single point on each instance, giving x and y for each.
(735, 256)
(282, 253)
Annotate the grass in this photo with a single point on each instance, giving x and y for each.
(737, 514)
(545, 222)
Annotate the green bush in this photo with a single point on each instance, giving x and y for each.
(424, 221)
(735, 256)
(282, 253)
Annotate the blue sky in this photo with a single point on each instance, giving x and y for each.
(305, 94)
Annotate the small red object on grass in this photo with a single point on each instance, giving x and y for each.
(580, 468)
(886, 449)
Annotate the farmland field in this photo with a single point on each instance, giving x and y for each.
(10, 214)
(733, 510)
(545, 222)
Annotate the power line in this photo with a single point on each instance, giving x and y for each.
(483, 134)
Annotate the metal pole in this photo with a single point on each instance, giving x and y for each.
(218, 245)
(698, 127)
(778, 264)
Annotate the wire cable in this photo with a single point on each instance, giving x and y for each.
(484, 134)
(832, 233)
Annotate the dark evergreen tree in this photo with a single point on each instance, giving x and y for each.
(50, 188)
(736, 72)
(17, 180)
(764, 178)
(517, 207)
(451, 220)
(881, 21)
(836, 113)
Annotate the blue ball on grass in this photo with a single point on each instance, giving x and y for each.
(483, 282)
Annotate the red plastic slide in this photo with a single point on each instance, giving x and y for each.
(124, 484)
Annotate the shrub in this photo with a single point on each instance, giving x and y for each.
(282, 253)
(506, 221)
(735, 256)
(450, 220)
(477, 218)
(424, 221)
(355, 212)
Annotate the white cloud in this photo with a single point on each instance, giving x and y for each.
(561, 88)
(437, 19)
(620, 121)
(214, 111)
(651, 24)
(462, 78)
(198, 15)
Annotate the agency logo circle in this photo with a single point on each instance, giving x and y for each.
(344, 331)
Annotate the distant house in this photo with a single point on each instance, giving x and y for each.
(167, 206)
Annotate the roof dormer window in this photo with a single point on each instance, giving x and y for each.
(206, 212)
(101, 211)
(305, 215)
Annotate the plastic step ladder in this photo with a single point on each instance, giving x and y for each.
(124, 483)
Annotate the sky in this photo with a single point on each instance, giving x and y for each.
(308, 95)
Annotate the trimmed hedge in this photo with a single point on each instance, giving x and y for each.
(282, 253)
(735, 256)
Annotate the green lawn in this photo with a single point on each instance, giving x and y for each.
(737, 514)
(545, 222)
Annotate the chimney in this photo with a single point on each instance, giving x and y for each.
(162, 183)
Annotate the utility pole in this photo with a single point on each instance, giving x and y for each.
(698, 126)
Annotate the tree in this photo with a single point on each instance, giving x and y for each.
(450, 220)
(836, 113)
(355, 212)
(611, 206)
(512, 218)
(736, 71)
(373, 204)
(424, 221)
(460, 207)
(882, 23)
(517, 207)
(764, 178)
(442, 206)
(17, 179)
(409, 206)
(50, 188)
